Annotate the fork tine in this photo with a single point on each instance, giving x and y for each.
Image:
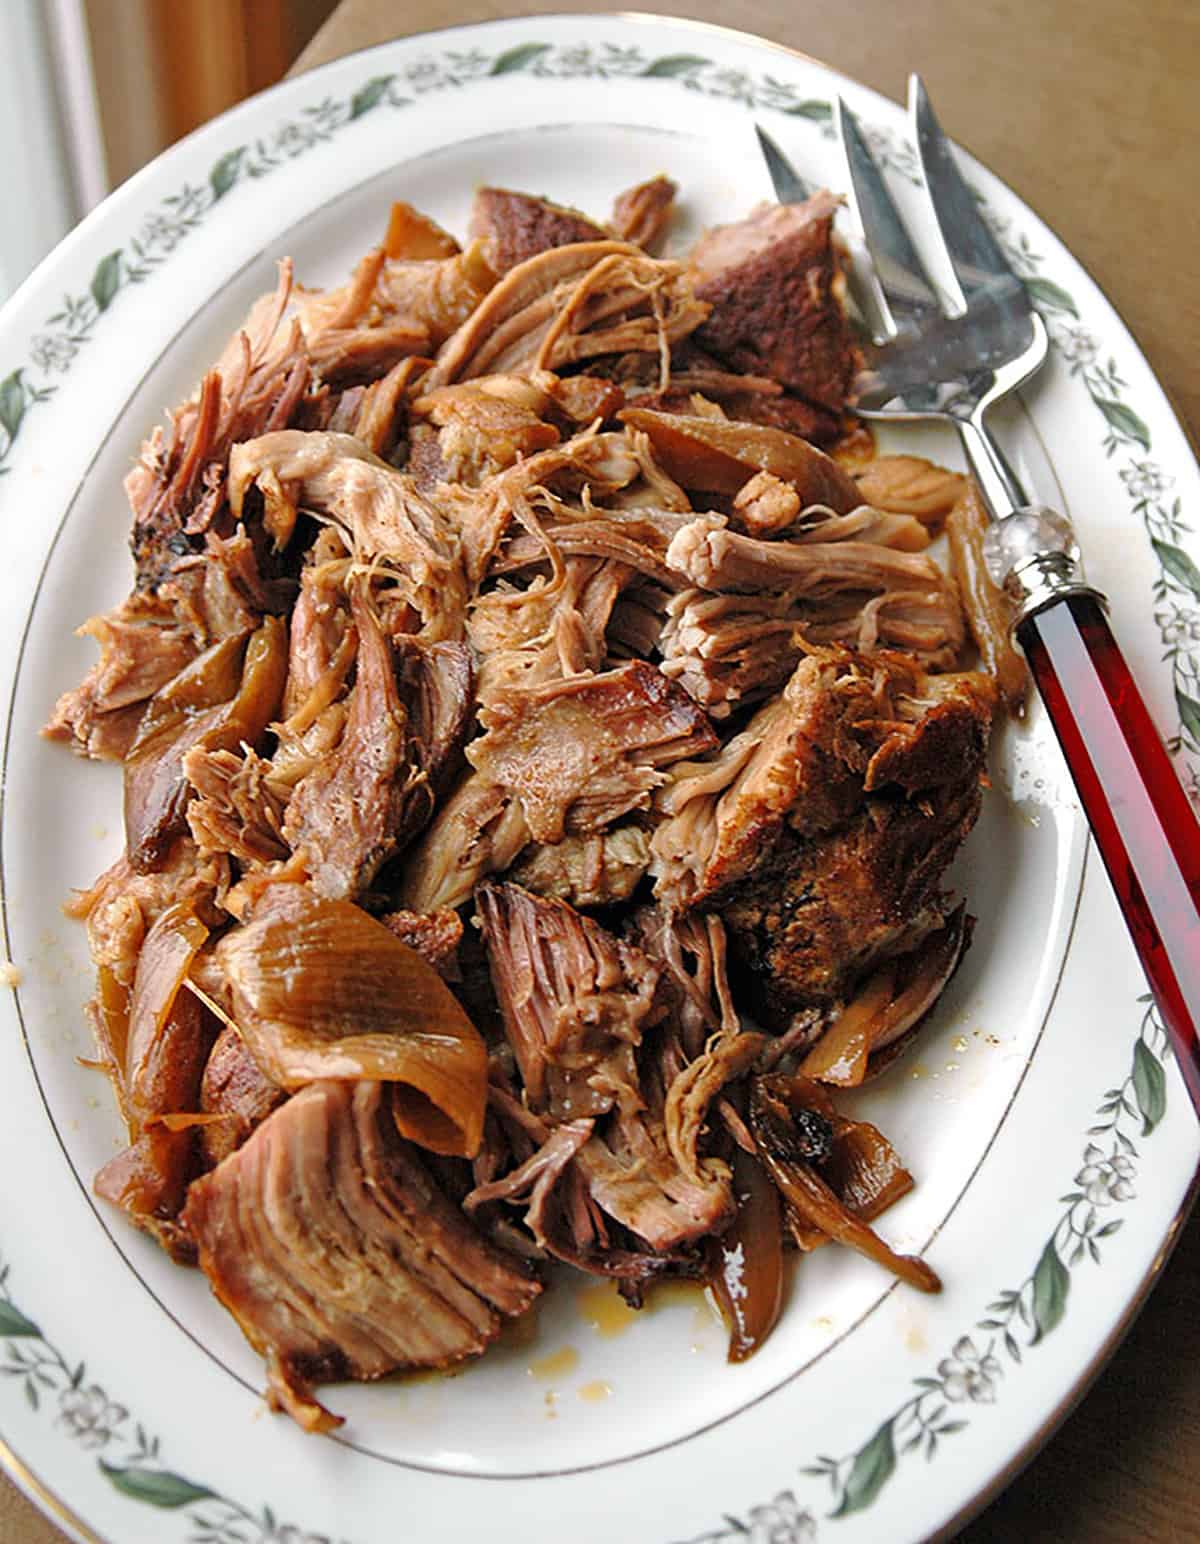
(903, 293)
(980, 267)
(790, 187)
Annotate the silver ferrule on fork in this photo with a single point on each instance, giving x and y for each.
(1032, 555)
(1030, 550)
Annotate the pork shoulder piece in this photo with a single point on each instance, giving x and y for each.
(380, 513)
(328, 1240)
(821, 832)
(237, 808)
(224, 698)
(437, 681)
(390, 310)
(569, 756)
(570, 304)
(692, 948)
(634, 1177)
(813, 917)
(516, 226)
(595, 870)
(552, 629)
(178, 486)
(578, 754)
(435, 935)
(637, 536)
(576, 1001)
(771, 281)
(347, 817)
(485, 426)
(714, 557)
(235, 1088)
(142, 646)
(728, 651)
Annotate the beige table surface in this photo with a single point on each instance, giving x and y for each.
(1091, 112)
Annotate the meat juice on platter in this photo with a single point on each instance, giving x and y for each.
(544, 734)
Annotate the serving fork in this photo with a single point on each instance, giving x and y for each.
(950, 352)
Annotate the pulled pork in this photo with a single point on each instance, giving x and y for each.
(511, 695)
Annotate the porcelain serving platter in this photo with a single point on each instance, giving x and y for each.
(1048, 1131)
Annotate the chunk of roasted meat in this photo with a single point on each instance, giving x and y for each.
(821, 832)
(571, 304)
(591, 1021)
(329, 1241)
(516, 226)
(177, 489)
(561, 758)
(576, 1001)
(772, 281)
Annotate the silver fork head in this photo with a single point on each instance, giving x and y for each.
(954, 349)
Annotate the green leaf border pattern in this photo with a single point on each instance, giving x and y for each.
(126, 1453)
(1018, 1318)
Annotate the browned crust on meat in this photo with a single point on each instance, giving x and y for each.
(776, 314)
(516, 226)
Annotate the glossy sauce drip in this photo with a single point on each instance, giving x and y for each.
(558, 1364)
(1140, 816)
(605, 1310)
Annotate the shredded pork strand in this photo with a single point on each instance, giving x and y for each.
(503, 640)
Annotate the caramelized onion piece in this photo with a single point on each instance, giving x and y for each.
(910, 485)
(322, 990)
(858, 1162)
(110, 1020)
(746, 1261)
(864, 1169)
(988, 610)
(149, 1178)
(840, 1056)
(167, 1043)
(414, 237)
(808, 1193)
(813, 1201)
(718, 456)
(893, 1001)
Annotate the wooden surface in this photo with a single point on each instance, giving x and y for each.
(1091, 112)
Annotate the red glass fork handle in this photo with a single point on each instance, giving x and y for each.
(1140, 816)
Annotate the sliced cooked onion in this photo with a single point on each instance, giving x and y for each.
(812, 1198)
(989, 611)
(923, 975)
(746, 1262)
(322, 990)
(893, 1001)
(225, 697)
(814, 1207)
(717, 456)
(110, 1018)
(864, 1169)
(840, 1056)
(164, 1055)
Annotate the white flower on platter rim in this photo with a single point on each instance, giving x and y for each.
(1104, 1180)
(967, 1374)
